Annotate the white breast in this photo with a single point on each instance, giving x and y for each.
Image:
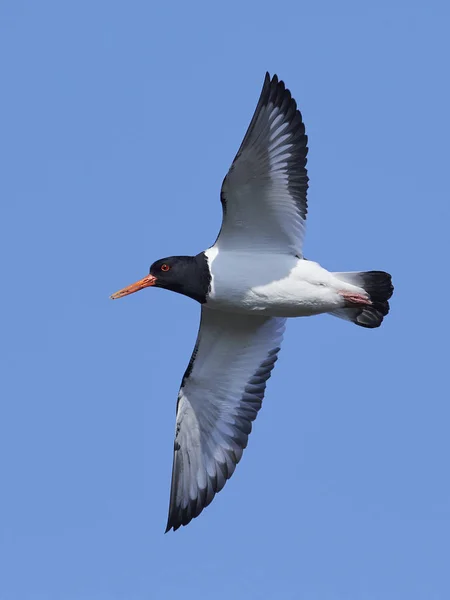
(271, 284)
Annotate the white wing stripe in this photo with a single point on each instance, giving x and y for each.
(214, 416)
(267, 177)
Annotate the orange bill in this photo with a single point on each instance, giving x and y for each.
(135, 287)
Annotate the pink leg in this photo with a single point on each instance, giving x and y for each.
(355, 299)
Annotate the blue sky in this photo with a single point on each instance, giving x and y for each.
(118, 122)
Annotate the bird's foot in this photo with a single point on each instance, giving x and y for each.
(353, 299)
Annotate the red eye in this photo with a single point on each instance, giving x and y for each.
(165, 267)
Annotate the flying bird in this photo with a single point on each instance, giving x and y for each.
(248, 283)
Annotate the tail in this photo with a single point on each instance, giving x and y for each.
(378, 285)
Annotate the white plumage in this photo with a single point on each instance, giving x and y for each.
(278, 285)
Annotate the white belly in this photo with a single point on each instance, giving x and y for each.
(275, 285)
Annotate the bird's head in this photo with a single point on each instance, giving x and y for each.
(182, 274)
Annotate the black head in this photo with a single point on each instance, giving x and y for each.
(188, 275)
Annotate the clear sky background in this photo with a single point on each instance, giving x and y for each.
(118, 122)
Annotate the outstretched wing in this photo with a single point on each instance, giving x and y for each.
(264, 193)
(220, 396)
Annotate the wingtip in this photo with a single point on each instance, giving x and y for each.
(172, 525)
(273, 80)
